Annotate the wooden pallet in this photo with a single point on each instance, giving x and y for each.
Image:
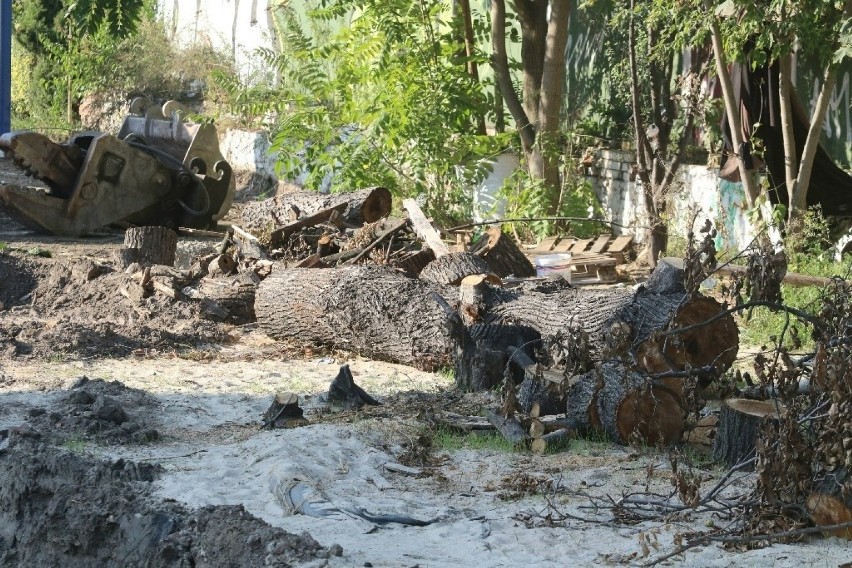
(592, 259)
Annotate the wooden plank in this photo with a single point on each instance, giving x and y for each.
(600, 244)
(580, 246)
(618, 246)
(545, 246)
(564, 245)
(424, 228)
(620, 243)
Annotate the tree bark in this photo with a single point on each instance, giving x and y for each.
(739, 425)
(502, 254)
(364, 206)
(500, 63)
(148, 246)
(785, 86)
(372, 310)
(799, 194)
(233, 294)
(452, 268)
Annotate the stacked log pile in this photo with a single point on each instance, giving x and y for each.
(614, 360)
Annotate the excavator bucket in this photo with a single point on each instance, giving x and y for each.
(157, 171)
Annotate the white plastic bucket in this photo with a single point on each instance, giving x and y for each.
(554, 264)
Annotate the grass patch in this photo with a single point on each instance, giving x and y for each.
(76, 445)
(450, 440)
(762, 326)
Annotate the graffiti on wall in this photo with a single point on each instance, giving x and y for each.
(837, 128)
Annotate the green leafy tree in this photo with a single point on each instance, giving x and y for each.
(822, 31)
(61, 35)
(376, 93)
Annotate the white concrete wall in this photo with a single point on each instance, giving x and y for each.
(236, 27)
(699, 189)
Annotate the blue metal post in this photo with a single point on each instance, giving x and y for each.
(5, 66)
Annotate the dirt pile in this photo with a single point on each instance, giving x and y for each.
(86, 308)
(106, 412)
(59, 508)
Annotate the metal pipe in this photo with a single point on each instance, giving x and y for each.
(5, 66)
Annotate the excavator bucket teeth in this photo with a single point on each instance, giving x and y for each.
(58, 165)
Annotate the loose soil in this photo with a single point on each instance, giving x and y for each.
(130, 435)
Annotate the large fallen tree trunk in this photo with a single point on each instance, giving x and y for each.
(641, 327)
(373, 310)
(363, 206)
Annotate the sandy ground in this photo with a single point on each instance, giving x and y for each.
(478, 507)
(213, 453)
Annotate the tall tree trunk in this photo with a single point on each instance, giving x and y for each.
(500, 63)
(657, 234)
(532, 15)
(469, 51)
(733, 111)
(785, 86)
(799, 194)
(550, 100)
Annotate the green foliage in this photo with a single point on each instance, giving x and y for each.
(527, 197)
(94, 52)
(451, 440)
(383, 100)
(808, 252)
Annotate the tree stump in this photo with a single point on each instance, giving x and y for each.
(343, 391)
(739, 425)
(148, 246)
(628, 406)
(284, 412)
(502, 254)
(373, 310)
(451, 269)
(830, 503)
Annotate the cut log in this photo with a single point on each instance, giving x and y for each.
(637, 326)
(462, 423)
(628, 406)
(280, 234)
(502, 254)
(472, 295)
(830, 503)
(373, 310)
(541, 389)
(344, 393)
(235, 295)
(362, 206)
(284, 412)
(424, 228)
(415, 262)
(511, 429)
(148, 246)
(221, 265)
(452, 268)
(739, 425)
(552, 441)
